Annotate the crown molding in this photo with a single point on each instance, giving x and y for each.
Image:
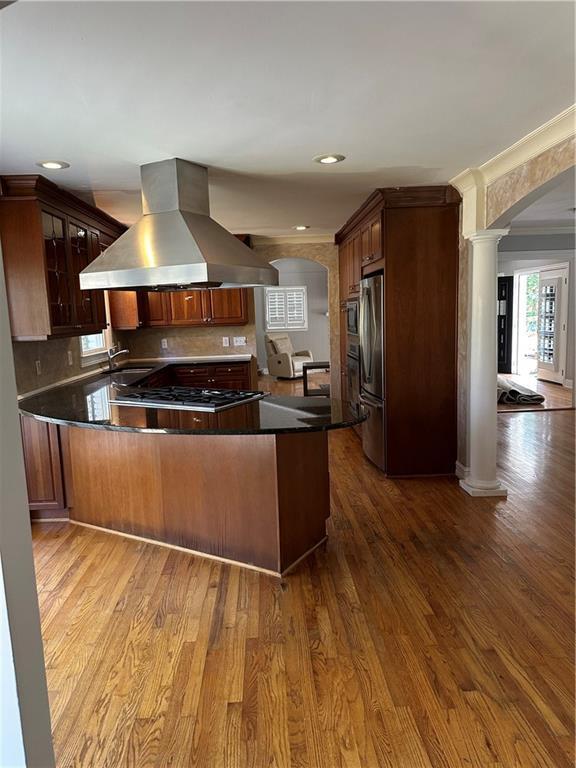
(473, 182)
(546, 136)
(292, 239)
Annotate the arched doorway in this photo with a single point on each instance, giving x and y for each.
(300, 309)
(324, 252)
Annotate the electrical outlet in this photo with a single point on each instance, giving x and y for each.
(70, 357)
(164, 343)
(239, 341)
(225, 341)
(38, 367)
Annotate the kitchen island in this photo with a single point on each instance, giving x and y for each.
(249, 484)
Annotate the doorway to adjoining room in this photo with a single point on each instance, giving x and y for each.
(292, 327)
(534, 331)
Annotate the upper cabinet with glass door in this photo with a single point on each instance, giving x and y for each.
(48, 236)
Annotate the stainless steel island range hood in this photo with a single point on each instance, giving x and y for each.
(175, 244)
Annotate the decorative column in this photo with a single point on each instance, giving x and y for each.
(481, 479)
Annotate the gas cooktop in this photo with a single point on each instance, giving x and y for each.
(186, 398)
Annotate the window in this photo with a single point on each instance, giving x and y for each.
(93, 344)
(287, 309)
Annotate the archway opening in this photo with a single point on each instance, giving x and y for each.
(536, 321)
(292, 324)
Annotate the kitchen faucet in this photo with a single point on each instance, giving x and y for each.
(114, 352)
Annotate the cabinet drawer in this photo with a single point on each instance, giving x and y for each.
(168, 419)
(193, 377)
(231, 383)
(233, 369)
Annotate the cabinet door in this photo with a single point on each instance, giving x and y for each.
(376, 238)
(98, 244)
(79, 244)
(343, 272)
(43, 464)
(59, 272)
(227, 306)
(89, 307)
(366, 244)
(187, 307)
(156, 308)
(124, 310)
(355, 265)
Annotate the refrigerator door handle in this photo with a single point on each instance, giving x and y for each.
(367, 327)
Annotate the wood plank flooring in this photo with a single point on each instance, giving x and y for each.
(433, 630)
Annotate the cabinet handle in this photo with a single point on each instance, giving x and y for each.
(188, 298)
(196, 419)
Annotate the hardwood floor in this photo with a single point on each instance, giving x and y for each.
(556, 395)
(433, 629)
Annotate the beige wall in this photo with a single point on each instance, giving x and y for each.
(327, 255)
(53, 356)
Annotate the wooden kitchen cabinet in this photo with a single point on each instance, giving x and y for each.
(226, 306)
(355, 265)
(233, 375)
(371, 234)
(223, 306)
(186, 307)
(350, 267)
(124, 310)
(43, 464)
(155, 308)
(48, 236)
(409, 235)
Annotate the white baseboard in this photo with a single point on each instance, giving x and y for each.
(462, 472)
(569, 383)
(500, 490)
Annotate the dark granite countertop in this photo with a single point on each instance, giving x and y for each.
(85, 403)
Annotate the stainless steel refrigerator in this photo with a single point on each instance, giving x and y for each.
(372, 378)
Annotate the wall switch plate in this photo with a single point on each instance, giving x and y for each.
(164, 343)
(38, 367)
(225, 341)
(239, 341)
(70, 357)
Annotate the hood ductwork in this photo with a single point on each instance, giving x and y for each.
(176, 244)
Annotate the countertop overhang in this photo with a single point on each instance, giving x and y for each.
(89, 403)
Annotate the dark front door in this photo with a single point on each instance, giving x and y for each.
(505, 301)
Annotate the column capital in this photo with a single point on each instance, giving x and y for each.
(487, 235)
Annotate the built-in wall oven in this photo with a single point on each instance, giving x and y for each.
(352, 315)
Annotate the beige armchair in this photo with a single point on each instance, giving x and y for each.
(283, 362)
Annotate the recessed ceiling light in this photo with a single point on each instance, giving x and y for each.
(329, 159)
(301, 227)
(53, 165)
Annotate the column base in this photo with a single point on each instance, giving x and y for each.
(498, 490)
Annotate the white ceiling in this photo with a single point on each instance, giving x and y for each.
(411, 93)
(554, 210)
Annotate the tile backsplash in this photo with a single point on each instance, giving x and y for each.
(54, 362)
